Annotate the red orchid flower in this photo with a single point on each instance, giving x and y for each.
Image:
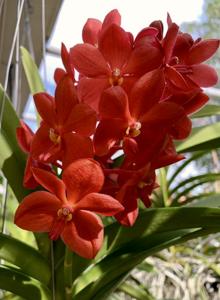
(24, 137)
(69, 69)
(115, 61)
(183, 58)
(93, 27)
(68, 208)
(141, 116)
(62, 119)
(135, 185)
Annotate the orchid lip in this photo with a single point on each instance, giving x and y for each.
(65, 213)
(134, 129)
(116, 78)
(54, 137)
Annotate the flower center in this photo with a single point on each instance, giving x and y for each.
(116, 78)
(134, 129)
(54, 137)
(65, 213)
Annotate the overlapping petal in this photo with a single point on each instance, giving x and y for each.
(88, 60)
(42, 148)
(114, 104)
(65, 99)
(36, 212)
(50, 182)
(91, 30)
(46, 108)
(100, 204)
(82, 177)
(146, 92)
(90, 90)
(204, 75)
(115, 46)
(85, 235)
(76, 147)
(202, 51)
(24, 136)
(82, 120)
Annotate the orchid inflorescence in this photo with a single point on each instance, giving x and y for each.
(103, 134)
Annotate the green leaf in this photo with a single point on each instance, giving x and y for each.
(185, 164)
(154, 230)
(201, 138)
(121, 262)
(31, 71)
(12, 159)
(194, 182)
(198, 178)
(22, 285)
(135, 291)
(207, 111)
(211, 201)
(24, 257)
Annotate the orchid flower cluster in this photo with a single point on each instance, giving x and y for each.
(106, 131)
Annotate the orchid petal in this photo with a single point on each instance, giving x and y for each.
(100, 203)
(59, 74)
(85, 235)
(88, 60)
(115, 46)
(170, 40)
(65, 99)
(82, 120)
(90, 90)
(113, 17)
(24, 136)
(114, 104)
(196, 103)
(202, 51)
(128, 197)
(204, 75)
(42, 148)
(91, 30)
(37, 211)
(82, 177)
(108, 132)
(50, 182)
(145, 57)
(146, 92)
(76, 147)
(176, 78)
(46, 107)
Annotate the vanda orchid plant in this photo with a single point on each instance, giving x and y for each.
(102, 139)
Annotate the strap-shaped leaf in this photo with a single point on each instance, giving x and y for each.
(12, 159)
(207, 111)
(154, 230)
(135, 291)
(25, 257)
(201, 138)
(122, 262)
(22, 285)
(31, 71)
(208, 177)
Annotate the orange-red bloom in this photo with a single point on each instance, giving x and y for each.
(62, 119)
(68, 208)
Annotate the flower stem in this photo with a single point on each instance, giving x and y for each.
(164, 187)
(68, 274)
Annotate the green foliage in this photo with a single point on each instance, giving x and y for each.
(34, 80)
(24, 257)
(23, 285)
(12, 159)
